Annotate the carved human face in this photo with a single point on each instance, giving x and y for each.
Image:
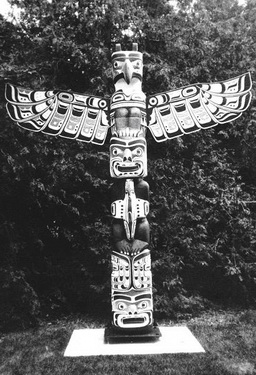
(132, 309)
(128, 158)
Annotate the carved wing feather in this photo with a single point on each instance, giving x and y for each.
(63, 113)
(200, 106)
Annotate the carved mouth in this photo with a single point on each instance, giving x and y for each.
(133, 321)
(123, 168)
(128, 168)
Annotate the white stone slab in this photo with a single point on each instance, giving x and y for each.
(88, 342)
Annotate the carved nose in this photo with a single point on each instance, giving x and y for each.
(127, 155)
(132, 309)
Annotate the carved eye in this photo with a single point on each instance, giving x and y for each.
(121, 306)
(139, 151)
(115, 64)
(143, 305)
(138, 64)
(115, 151)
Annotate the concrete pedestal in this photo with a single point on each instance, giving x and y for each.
(90, 342)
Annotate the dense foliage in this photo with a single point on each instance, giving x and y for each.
(55, 223)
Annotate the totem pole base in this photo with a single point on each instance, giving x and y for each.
(117, 335)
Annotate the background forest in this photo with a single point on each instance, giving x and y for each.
(55, 222)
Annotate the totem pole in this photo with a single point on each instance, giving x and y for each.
(128, 114)
(131, 280)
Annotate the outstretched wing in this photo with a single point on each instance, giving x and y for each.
(63, 113)
(196, 107)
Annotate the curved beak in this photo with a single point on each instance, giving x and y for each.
(128, 71)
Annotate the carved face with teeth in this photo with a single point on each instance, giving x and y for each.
(133, 310)
(128, 158)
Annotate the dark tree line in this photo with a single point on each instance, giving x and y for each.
(55, 223)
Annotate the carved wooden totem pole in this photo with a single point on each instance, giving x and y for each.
(131, 280)
(128, 114)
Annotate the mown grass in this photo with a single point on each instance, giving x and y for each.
(229, 339)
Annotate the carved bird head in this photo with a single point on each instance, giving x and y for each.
(127, 68)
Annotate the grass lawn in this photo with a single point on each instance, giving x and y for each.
(229, 339)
